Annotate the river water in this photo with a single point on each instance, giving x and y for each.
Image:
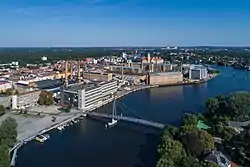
(89, 144)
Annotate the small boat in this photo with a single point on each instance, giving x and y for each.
(42, 138)
(47, 136)
(60, 127)
(84, 114)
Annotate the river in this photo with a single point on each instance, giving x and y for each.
(89, 144)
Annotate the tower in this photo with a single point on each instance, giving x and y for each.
(78, 72)
(71, 70)
(66, 73)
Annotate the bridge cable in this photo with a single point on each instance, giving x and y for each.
(133, 111)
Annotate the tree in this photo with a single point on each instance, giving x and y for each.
(206, 139)
(170, 152)
(212, 164)
(8, 132)
(4, 156)
(189, 161)
(225, 132)
(190, 119)
(197, 143)
(2, 110)
(170, 131)
(187, 129)
(46, 98)
(212, 105)
(239, 105)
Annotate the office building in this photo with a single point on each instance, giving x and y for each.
(198, 73)
(88, 96)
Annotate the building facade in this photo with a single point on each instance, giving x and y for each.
(85, 97)
(198, 73)
(24, 100)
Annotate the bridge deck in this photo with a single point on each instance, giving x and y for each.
(128, 119)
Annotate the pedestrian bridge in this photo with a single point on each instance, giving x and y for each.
(128, 119)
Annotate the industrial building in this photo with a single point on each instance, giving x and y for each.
(24, 100)
(97, 76)
(163, 78)
(86, 96)
(199, 72)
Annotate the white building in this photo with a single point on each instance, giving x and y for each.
(24, 100)
(198, 73)
(91, 97)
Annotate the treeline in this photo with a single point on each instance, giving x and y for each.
(8, 135)
(31, 56)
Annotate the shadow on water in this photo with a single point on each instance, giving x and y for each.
(148, 152)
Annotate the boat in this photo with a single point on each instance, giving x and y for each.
(60, 127)
(113, 120)
(42, 138)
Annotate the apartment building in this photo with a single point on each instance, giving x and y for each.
(24, 100)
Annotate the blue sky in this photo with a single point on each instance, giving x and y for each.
(124, 22)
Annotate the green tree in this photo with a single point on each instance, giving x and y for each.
(188, 161)
(239, 105)
(197, 143)
(206, 139)
(8, 132)
(4, 156)
(225, 132)
(46, 98)
(212, 105)
(165, 162)
(170, 131)
(170, 151)
(2, 110)
(212, 164)
(190, 119)
(187, 129)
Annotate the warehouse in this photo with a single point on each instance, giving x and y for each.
(167, 78)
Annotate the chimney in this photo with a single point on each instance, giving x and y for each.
(66, 73)
(78, 72)
(71, 70)
(164, 67)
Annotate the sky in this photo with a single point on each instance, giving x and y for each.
(89, 23)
